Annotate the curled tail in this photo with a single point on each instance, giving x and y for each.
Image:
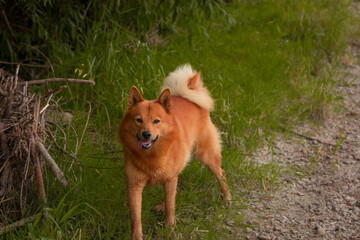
(186, 83)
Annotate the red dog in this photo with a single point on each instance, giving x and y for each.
(158, 137)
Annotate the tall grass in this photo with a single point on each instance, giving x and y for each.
(268, 64)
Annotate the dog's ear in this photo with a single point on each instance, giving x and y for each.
(134, 97)
(195, 82)
(165, 99)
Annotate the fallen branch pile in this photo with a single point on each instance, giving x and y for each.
(22, 151)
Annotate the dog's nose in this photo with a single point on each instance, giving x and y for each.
(146, 135)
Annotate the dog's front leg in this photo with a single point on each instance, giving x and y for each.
(170, 194)
(134, 194)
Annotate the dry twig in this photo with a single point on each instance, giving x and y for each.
(54, 167)
(71, 80)
(24, 64)
(63, 150)
(41, 53)
(19, 223)
(86, 124)
(307, 137)
(7, 21)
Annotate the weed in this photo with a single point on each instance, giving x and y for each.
(341, 140)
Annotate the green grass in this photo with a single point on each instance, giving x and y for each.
(268, 64)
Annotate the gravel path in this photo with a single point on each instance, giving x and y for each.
(325, 202)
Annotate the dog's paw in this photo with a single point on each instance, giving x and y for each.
(228, 200)
(160, 207)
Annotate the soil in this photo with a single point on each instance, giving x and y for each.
(324, 203)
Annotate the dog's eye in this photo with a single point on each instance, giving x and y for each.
(139, 120)
(156, 121)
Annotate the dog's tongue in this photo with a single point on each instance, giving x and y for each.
(141, 143)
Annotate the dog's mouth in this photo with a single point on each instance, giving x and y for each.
(146, 144)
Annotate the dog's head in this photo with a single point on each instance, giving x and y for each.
(145, 121)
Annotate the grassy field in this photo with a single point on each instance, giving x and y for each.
(268, 65)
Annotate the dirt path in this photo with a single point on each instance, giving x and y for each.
(324, 204)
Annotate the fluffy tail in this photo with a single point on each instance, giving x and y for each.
(186, 83)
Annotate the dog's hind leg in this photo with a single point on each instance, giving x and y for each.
(160, 207)
(208, 151)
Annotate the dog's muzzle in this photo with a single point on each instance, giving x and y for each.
(146, 144)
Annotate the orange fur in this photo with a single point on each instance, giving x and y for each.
(183, 128)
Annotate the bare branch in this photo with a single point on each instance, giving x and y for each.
(73, 156)
(20, 223)
(4, 179)
(38, 172)
(86, 124)
(24, 64)
(16, 76)
(3, 138)
(54, 91)
(307, 137)
(48, 60)
(7, 21)
(54, 167)
(71, 80)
